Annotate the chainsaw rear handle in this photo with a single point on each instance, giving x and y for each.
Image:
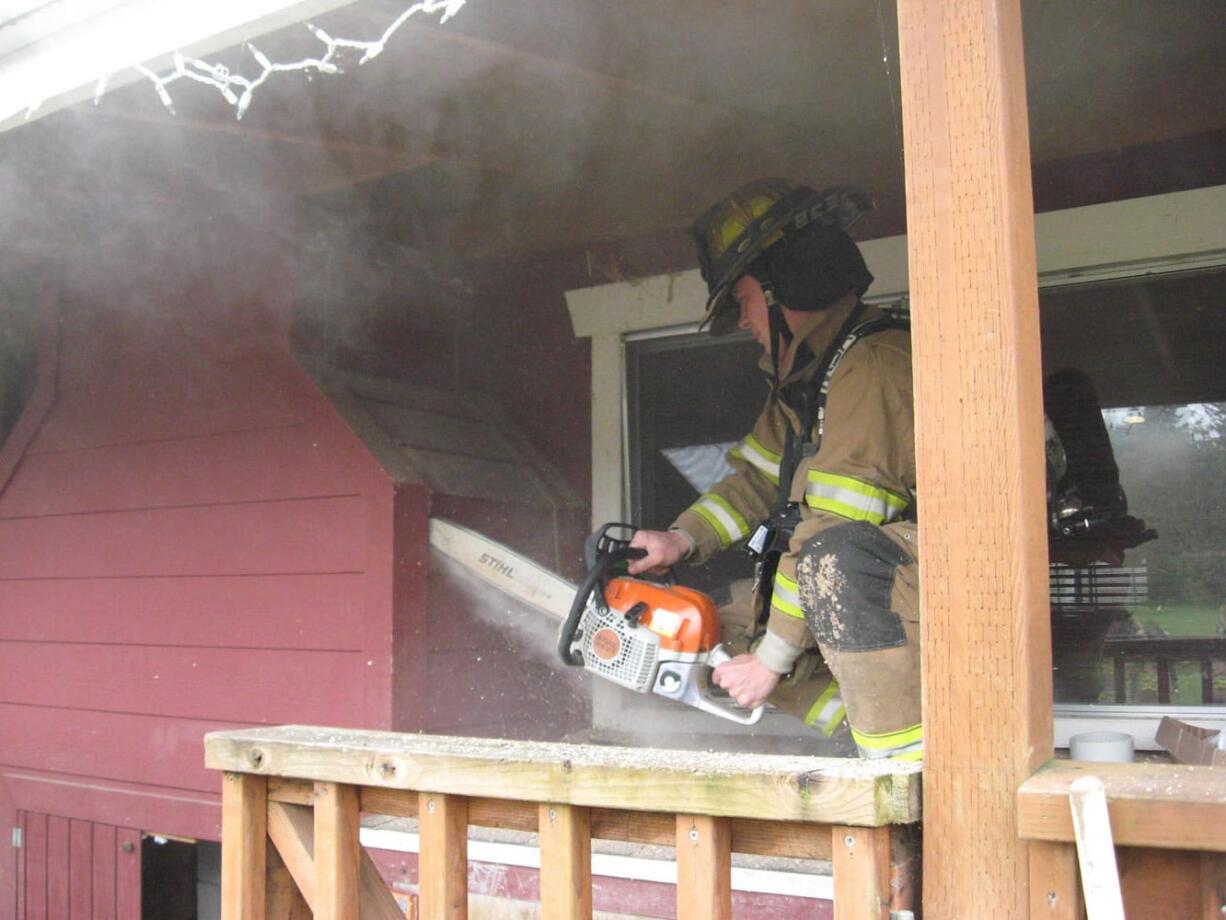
(596, 577)
(715, 658)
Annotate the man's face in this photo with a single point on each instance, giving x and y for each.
(754, 317)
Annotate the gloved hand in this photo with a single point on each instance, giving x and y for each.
(665, 548)
(747, 680)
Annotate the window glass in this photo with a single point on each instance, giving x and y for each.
(691, 397)
(1137, 607)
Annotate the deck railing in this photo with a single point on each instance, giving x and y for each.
(303, 790)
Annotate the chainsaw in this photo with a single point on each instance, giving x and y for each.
(648, 635)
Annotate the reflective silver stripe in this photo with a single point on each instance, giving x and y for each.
(907, 752)
(905, 744)
(852, 498)
(752, 452)
(730, 526)
(785, 597)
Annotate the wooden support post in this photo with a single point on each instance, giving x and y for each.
(1212, 886)
(566, 862)
(861, 872)
(443, 864)
(1055, 892)
(704, 868)
(338, 856)
(979, 447)
(244, 847)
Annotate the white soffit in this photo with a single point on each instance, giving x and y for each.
(1117, 239)
(54, 52)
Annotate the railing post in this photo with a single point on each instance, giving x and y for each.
(1055, 893)
(861, 872)
(244, 846)
(338, 855)
(443, 864)
(566, 862)
(704, 868)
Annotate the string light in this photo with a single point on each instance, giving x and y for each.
(238, 90)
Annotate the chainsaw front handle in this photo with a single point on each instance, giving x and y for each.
(595, 579)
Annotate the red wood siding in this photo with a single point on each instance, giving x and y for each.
(191, 540)
(619, 896)
(492, 669)
(77, 870)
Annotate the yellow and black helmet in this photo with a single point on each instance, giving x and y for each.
(735, 231)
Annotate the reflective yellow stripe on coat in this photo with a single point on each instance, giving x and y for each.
(853, 498)
(725, 520)
(905, 744)
(765, 461)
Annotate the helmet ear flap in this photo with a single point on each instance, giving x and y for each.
(812, 269)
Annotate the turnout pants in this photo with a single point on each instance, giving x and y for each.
(858, 589)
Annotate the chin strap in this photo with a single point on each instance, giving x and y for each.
(778, 328)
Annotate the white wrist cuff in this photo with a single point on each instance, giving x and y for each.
(777, 654)
(690, 542)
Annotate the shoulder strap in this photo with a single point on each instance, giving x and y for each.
(808, 399)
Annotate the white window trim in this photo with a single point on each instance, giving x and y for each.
(1180, 231)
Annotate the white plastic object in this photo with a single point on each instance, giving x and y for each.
(1102, 747)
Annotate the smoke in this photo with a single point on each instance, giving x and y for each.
(516, 625)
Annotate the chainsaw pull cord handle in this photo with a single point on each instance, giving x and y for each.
(596, 577)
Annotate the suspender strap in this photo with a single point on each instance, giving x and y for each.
(808, 403)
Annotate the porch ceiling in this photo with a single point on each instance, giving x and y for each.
(527, 126)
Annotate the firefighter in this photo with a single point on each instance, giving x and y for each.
(823, 488)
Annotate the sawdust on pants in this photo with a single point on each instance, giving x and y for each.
(820, 583)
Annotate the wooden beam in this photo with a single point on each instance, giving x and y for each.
(243, 846)
(979, 446)
(443, 861)
(1151, 804)
(759, 786)
(566, 861)
(1212, 886)
(1055, 893)
(285, 900)
(704, 868)
(796, 840)
(292, 831)
(338, 856)
(861, 873)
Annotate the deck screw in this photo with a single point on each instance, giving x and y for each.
(849, 841)
(694, 834)
(553, 815)
(430, 805)
(1052, 898)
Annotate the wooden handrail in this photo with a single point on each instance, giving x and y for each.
(1171, 806)
(1163, 806)
(303, 788)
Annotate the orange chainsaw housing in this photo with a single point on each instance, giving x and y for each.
(685, 620)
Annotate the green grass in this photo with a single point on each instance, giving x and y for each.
(1181, 619)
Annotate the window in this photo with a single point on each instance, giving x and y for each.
(1153, 348)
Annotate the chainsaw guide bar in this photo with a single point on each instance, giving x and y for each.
(505, 569)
